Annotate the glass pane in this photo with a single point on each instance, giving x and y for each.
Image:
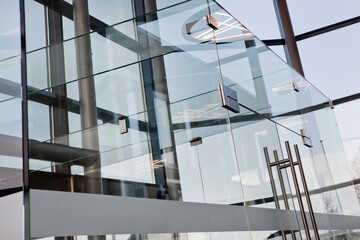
(112, 12)
(347, 120)
(9, 29)
(248, 12)
(279, 50)
(35, 25)
(11, 162)
(167, 3)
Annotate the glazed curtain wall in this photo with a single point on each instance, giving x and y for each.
(123, 100)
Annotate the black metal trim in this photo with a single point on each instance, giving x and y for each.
(328, 28)
(274, 42)
(9, 191)
(25, 129)
(313, 33)
(346, 99)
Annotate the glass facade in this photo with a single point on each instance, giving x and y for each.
(165, 120)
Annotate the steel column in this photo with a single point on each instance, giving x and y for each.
(287, 32)
(88, 114)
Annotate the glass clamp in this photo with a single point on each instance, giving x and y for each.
(195, 141)
(228, 98)
(306, 140)
(123, 124)
(331, 104)
(296, 87)
(212, 22)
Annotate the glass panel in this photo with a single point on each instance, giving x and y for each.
(124, 88)
(349, 201)
(112, 12)
(168, 3)
(347, 120)
(214, 157)
(332, 146)
(250, 138)
(279, 50)
(11, 142)
(248, 13)
(9, 29)
(137, 113)
(35, 25)
(10, 79)
(11, 163)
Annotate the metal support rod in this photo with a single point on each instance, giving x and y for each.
(272, 182)
(298, 192)
(306, 191)
(273, 187)
(287, 165)
(282, 184)
(279, 162)
(287, 32)
(281, 179)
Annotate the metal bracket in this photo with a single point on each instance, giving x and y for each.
(228, 98)
(306, 140)
(331, 104)
(123, 124)
(296, 87)
(212, 22)
(195, 141)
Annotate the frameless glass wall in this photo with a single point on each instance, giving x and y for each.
(124, 100)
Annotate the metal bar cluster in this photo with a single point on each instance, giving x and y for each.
(292, 164)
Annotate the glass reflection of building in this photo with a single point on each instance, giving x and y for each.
(120, 121)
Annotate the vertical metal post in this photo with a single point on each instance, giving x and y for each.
(25, 121)
(272, 181)
(281, 179)
(88, 111)
(307, 196)
(273, 187)
(282, 184)
(287, 32)
(298, 192)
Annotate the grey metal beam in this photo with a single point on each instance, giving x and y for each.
(328, 28)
